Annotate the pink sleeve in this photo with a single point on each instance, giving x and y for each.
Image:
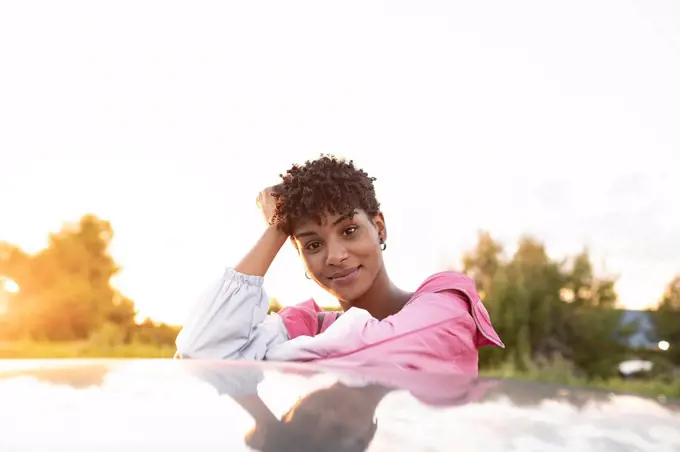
(445, 311)
(306, 319)
(437, 331)
(452, 309)
(435, 324)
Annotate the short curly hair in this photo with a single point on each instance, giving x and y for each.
(327, 185)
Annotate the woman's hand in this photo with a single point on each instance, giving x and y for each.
(260, 257)
(267, 204)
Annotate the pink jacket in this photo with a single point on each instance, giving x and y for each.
(439, 330)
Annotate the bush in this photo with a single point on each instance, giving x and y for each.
(562, 372)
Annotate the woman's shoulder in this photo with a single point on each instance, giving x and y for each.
(448, 281)
(463, 288)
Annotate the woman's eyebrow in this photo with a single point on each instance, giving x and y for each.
(304, 234)
(347, 216)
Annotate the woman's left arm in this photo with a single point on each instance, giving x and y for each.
(357, 330)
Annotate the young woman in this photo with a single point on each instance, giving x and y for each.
(329, 211)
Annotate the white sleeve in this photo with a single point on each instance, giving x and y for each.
(230, 322)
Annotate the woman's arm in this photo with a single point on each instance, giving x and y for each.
(260, 257)
(357, 330)
(230, 321)
(442, 324)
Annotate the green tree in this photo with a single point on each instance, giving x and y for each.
(667, 319)
(542, 283)
(547, 309)
(592, 326)
(485, 265)
(509, 309)
(150, 332)
(596, 340)
(483, 262)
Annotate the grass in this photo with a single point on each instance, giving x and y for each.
(562, 373)
(40, 350)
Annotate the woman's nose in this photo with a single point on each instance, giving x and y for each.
(337, 253)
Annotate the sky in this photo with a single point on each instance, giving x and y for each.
(166, 118)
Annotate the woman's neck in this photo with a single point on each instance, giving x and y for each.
(382, 299)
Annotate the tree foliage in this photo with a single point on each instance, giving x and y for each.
(66, 291)
(544, 308)
(667, 319)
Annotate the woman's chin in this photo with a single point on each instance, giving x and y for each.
(349, 295)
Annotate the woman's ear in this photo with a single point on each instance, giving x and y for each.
(379, 223)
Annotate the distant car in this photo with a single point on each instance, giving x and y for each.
(635, 367)
(165, 405)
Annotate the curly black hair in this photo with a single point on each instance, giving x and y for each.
(327, 185)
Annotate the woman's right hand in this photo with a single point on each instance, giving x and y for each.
(260, 257)
(267, 204)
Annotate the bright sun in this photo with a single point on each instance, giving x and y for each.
(9, 285)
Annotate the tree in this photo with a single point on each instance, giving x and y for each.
(149, 332)
(546, 309)
(482, 263)
(584, 288)
(671, 297)
(542, 283)
(13, 261)
(485, 265)
(65, 288)
(509, 310)
(667, 319)
(592, 327)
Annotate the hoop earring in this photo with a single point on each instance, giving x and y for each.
(307, 276)
(383, 245)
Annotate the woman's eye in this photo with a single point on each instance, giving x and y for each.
(350, 230)
(311, 246)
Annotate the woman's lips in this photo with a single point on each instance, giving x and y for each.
(346, 278)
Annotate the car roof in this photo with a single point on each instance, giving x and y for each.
(147, 405)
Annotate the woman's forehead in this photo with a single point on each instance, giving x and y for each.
(329, 220)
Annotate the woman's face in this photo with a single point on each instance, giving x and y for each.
(342, 254)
